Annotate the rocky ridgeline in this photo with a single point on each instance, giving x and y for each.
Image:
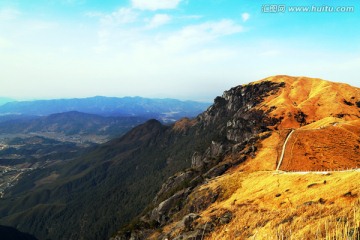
(229, 128)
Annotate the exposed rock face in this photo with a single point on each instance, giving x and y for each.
(164, 210)
(230, 127)
(177, 181)
(197, 161)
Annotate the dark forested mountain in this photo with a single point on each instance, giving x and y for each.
(35, 151)
(71, 123)
(166, 109)
(92, 196)
(9, 233)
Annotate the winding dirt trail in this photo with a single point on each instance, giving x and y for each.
(283, 149)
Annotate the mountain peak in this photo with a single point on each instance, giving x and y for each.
(306, 100)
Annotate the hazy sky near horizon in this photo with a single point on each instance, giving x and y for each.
(186, 49)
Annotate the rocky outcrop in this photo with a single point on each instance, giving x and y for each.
(175, 183)
(225, 135)
(300, 117)
(166, 208)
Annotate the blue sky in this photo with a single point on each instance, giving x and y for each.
(186, 49)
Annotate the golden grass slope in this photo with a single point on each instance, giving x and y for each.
(326, 148)
(267, 205)
(330, 137)
(316, 98)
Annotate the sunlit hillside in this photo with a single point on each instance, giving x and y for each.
(315, 192)
(307, 100)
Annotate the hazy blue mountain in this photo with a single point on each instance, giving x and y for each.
(4, 100)
(11, 117)
(163, 109)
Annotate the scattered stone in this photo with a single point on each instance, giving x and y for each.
(288, 219)
(309, 203)
(188, 220)
(350, 194)
(193, 235)
(226, 218)
(300, 117)
(217, 170)
(312, 185)
(354, 233)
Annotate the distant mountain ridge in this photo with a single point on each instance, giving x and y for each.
(71, 123)
(4, 100)
(108, 106)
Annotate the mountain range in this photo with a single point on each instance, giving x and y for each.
(71, 123)
(4, 100)
(213, 176)
(163, 109)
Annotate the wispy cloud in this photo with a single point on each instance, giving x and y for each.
(192, 17)
(155, 4)
(159, 20)
(8, 14)
(199, 33)
(120, 16)
(245, 16)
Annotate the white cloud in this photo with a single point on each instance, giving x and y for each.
(245, 16)
(8, 14)
(120, 16)
(192, 17)
(159, 20)
(155, 4)
(196, 34)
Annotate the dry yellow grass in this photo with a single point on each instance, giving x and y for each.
(266, 158)
(317, 98)
(300, 206)
(326, 148)
(183, 124)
